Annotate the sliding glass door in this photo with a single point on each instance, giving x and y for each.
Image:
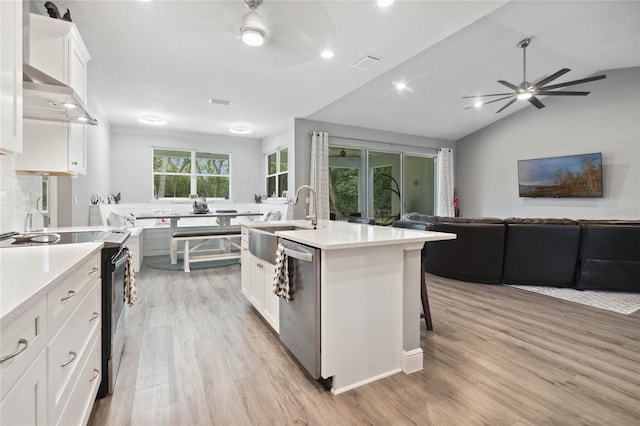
(419, 184)
(384, 177)
(382, 185)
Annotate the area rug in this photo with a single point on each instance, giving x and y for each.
(164, 262)
(620, 302)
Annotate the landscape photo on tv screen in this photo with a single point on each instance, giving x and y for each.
(555, 177)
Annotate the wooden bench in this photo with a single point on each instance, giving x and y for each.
(202, 234)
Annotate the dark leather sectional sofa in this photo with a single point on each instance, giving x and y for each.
(584, 254)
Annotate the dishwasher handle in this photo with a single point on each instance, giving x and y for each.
(307, 257)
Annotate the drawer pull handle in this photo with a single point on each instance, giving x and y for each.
(95, 370)
(95, 316)
(71, 294)
(73, 357)
(24, 342)
(93, 270)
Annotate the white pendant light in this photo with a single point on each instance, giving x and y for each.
(253, 29)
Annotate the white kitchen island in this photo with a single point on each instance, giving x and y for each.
(369, 298)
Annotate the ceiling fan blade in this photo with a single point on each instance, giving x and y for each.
(536, 102)
(571, 83)
(568, 93)
(509, 85)
(552, 77)
(486, 96)
(490, 102)
(507, 104)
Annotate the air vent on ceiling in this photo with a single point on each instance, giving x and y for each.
(365, 63)
(218, 101)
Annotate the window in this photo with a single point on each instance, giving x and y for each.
(278, 173)
(178, 174)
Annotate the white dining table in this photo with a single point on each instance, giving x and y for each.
(224, 221)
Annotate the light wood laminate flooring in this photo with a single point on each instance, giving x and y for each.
(197, 353)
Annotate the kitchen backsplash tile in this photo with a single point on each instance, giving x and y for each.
(18, 192)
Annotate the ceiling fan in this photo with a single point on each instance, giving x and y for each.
(528, 91)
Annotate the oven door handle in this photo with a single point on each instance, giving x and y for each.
(120, 257)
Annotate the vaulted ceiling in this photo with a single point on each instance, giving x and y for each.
(169, 57)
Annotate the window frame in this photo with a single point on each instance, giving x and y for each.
(278, 173)
(193, 174)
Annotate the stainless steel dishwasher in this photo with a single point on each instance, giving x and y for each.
(300, 318)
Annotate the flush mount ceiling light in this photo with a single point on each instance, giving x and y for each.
(152, 119)
(327, 54)
(385, 3)
(240, 130)
(253, 29)
(401, 86)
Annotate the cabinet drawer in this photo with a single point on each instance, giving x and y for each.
(83, 394)
(26, 402)
(67, 348)
(25, 337)
(64, 298)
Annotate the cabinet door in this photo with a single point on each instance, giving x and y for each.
(271, 301)
(11, 76)
(77, 69)
(77, 148)
(26, 403)
(257, 283)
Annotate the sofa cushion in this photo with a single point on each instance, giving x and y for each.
(539, 221)
(493, 220)
(541, 253)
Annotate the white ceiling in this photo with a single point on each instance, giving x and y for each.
(170, 57)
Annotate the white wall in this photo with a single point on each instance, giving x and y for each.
(607, 121)
(131, 160)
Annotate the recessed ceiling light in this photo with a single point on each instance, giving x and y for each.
(152, 119)
(401, 86)
(240, 130)
(385, 3)
(83, 119)
(69, 105)
(327, 54)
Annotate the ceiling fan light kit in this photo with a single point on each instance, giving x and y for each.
(528, 91)
(253, 30)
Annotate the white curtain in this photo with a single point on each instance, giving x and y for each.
(445, 183)
(320, 172)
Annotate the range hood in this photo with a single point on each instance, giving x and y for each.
(45, 98)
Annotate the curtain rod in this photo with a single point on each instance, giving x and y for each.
(380, 142)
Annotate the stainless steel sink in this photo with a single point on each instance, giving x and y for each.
(263, 243)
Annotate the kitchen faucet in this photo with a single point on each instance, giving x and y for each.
(312, 217)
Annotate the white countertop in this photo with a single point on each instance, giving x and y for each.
(332, 234)
(27, 272)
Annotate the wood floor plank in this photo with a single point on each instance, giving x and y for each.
(497, 356)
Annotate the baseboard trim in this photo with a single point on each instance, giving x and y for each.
(337, 391)
(412, 360)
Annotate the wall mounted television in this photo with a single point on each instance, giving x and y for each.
(555, 177)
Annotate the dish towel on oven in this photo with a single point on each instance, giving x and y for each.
(281, 284)
(130, 294)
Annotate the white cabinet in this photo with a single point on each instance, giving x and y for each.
(54, 376)
(23, 368)
(58, 148)
(11, 76)
(245, 263)
(257, 285)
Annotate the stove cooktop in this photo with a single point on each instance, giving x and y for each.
(109, 238)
